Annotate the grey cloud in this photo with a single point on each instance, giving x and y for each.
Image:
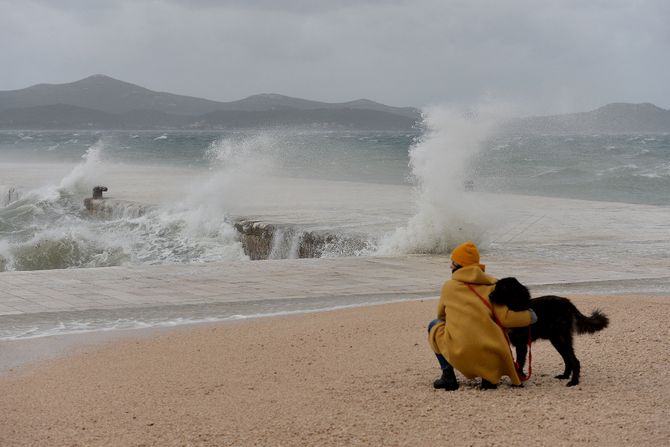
(548, 56)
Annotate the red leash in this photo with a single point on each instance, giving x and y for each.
(520, 373)
(530, 359)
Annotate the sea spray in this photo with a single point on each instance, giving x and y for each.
(200, 223)
(87, 174)
(49, 228)
(446, 214)
(237, 150)
(239, 168)
(198, 227)
(5, 255)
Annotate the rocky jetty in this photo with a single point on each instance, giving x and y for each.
(263, 240)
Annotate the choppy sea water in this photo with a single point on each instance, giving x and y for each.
(396, 192)
(195, 185)
(182, 191)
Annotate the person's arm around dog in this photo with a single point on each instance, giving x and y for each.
(509, 318)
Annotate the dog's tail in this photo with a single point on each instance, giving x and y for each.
(588, 325)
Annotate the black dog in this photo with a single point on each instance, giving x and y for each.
(557, 320)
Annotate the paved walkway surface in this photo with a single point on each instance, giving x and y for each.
(123, 287)
(227, 282)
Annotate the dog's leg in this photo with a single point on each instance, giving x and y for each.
(564, 348)
(575, 371)
(521, 351)
(572, 367)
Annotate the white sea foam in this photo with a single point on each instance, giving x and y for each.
(87, 173)
(57, 234)
(626, 167)
(439, 161)
(239, 169)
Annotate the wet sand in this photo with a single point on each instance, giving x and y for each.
(358, 376)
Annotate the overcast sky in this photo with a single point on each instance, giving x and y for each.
(545, 56)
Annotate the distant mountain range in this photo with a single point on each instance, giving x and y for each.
(101, 102)
(612, 118)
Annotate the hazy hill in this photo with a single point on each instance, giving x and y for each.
(56, 116)
(102, 102)
(271, 101)
(64, 116)
(612, 118)
(117, 104)
(341, 117)
(105, 94)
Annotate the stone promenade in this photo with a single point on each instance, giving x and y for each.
(236, 281)
(124, 287)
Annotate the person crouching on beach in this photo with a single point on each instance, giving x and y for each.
(465, 334)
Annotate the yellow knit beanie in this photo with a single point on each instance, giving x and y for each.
(466, 254)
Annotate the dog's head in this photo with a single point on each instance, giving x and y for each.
(512, 293)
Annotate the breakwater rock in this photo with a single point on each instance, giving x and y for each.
(263, 240)
(109, 208)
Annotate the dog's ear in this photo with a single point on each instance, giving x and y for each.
(510, 292)
(502, 291)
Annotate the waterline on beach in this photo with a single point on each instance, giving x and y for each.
(47, 324)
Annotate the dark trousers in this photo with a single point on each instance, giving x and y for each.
(440, 358)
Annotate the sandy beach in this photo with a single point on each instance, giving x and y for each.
(360, 376)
